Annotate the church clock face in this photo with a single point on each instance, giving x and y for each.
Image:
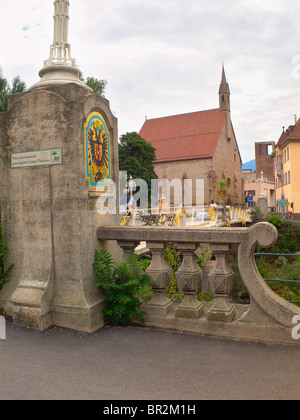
(97, 151)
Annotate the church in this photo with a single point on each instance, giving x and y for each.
(199, 145)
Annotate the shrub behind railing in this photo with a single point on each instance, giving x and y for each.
(4, 278)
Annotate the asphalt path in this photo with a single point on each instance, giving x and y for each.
(143, 364)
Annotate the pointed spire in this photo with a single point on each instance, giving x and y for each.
(224, 93)
(224, 86)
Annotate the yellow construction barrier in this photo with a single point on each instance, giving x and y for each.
(212, 214)
(126, 218)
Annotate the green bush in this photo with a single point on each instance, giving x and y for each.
(173, 258)
(3, 273)
(280, 268)
(205, 296)
(202, 255)
(283, 269)
(276, 220)
(124, 285)
(240, 292)
(288, 235)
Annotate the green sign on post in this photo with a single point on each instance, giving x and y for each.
(37, 158)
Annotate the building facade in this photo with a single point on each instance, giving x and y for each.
(263, 175)
(199, 145)
(287, 172)
(264, 161)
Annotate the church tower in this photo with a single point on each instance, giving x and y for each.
(224, 93)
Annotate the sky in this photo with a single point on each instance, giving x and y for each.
(164, 57)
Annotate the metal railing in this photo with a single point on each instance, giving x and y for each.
(173, 216)
(186, 216)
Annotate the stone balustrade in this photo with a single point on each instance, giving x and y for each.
(267, 318)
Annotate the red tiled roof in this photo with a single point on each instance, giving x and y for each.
(291, 134)
(282, 139)
(296, 133)
(185, 136)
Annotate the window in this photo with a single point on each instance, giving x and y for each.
(288, 153)
(289, 177)
(269, 149)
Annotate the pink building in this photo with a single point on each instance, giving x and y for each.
(253, 186)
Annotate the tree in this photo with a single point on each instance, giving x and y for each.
(17, 85)
(6, 90)
(97, 85)
(136, 156)
(3, 92)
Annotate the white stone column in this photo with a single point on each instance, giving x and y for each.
(60, 67)
(61, 21)
(60, 50)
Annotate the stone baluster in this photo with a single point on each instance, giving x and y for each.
(221, 280)
(189, 281)
(160, 274)
(128, 248)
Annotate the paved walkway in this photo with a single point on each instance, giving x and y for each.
(137, 363)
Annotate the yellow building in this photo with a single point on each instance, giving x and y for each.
(287, 172)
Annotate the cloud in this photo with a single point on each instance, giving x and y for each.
(164, 57)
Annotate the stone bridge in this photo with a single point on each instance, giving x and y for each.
(268, 318)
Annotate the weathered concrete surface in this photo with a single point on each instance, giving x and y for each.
(47, 222)
(256, 331)
(135, 364)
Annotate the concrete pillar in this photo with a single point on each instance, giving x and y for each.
(47, 206)
(262, 206)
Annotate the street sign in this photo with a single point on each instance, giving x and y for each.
(281, 203)
(37, 158)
